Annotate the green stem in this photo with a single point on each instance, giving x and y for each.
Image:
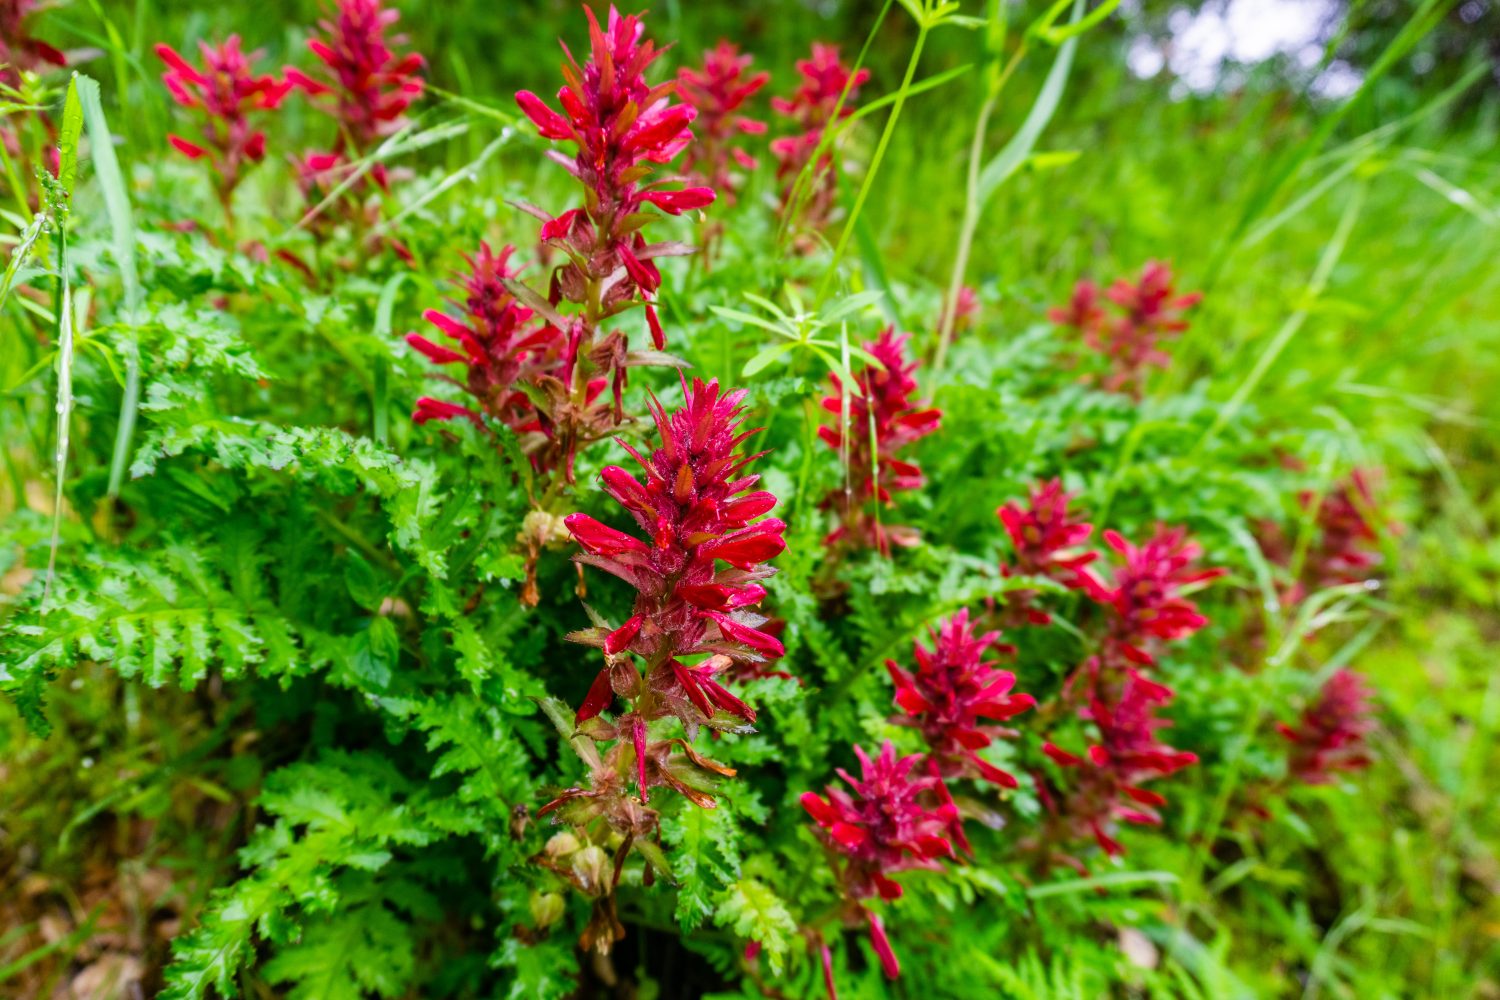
(868, 183)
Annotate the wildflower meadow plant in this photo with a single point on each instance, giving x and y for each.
(226, 92)
(805, 162)
(1330, 734)
(876, 418)
(1129, 343)
(623, 129)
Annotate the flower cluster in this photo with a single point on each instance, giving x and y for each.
(1148, 597)
(1048, 543)
(887, 825)
(19, 51)
(883, 419)
(825, 95)
(372, 85)
(1109, 779)
(1147, 312)
(226, 92)
(501, 348)
(718, 91)
(1330, 735)
(949, 694)
(623, 129)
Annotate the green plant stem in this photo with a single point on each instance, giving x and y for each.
(880, 147)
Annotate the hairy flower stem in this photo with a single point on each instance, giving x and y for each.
(864, 189)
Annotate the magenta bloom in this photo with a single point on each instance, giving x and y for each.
(225, 92)
(882, 829)
(952, 691)
(1148, 312)
(500, 348)
(623, 129)
(1048, 542)
(1330, 736)
(1149, 596)
(1128, 754)
(18, 50)
(882, 397)
(1347, 548)
(810, 110)
(372, 85)
(717, 92)
(697, 509)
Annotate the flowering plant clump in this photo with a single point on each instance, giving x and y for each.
(949, 694)
(825, 96)
(883, 419)
(883, 828)
(463, 660)
(718, 91)
(623, 129)
(226, 92)
(501, 348)
(1107, 783)
(1330, 735)
(1148, 312)
(371, 85)
(1047, 542)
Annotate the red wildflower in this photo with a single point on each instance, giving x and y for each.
(1330, 736)
(18, 50)
(1048, 543)
(1149, 312)
(810, 110)
(883, 419)
(882, 829)
(371, 84)
(1149, 596)
(951, 690)
(1128, 754)
(501, 349)
(1347, 545)
(963, 313)
(622, 127)
(225, 92)
(696, 509)
(717, 92)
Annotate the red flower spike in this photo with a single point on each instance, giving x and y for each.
(717, 92)
(883, 827)
(810, 110)
(881, 397)
(372, 85)
(621, 127)
(1107, 787)
(691, 623)
(1149, 596)
(1347, 547)
(501, 346)
(1148, 312)
(225, 93)
(951, 691)
(1048, 542)
(1330, 735)
(19, 51)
